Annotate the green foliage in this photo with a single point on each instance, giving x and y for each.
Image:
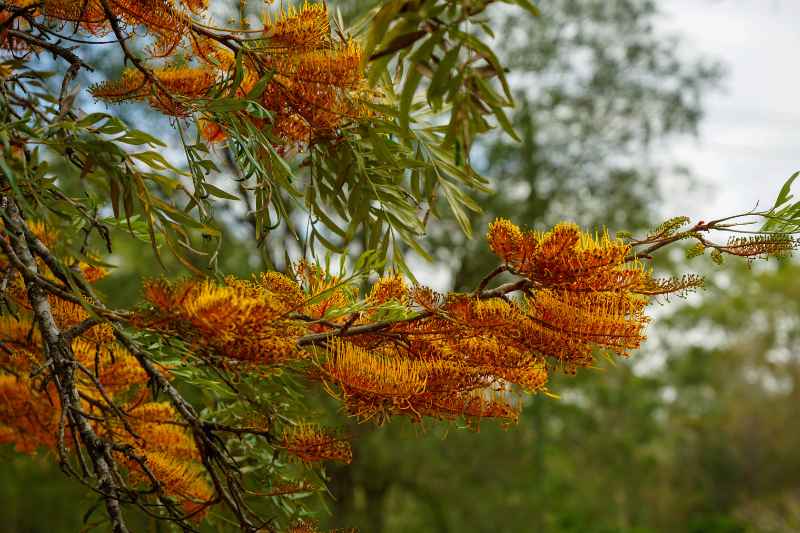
(378, 183)
(785, 214)
(669, 227)
(441, 46)
(590, 109)
(695, 250)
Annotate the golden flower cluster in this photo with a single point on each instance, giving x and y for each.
(313, 92)
(241, 321)
(389, 288)
(306, 28)
(315, 82)
(445, 356)
(169, 452)
(167, 19)
(27, 415)
(30, 409)
(469, 355)
(438, 367)
(567, 258)
(311, 443)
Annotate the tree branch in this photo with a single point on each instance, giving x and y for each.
(63, 369)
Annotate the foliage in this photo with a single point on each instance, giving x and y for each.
(189, 407)
(601, 88)
(784, 215)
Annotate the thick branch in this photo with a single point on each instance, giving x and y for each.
(63, 362)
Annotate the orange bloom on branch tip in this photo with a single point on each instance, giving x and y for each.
(89, 13)
(310, 444)
(569, 259)
(615, 323)
(239, 320)
(157, 424)
(180, 479)
(357, 370)
(112, 365)
(178, 82)
(22, 344)
(389, 288)
(505, 239)
(297, 29)
(132, 85)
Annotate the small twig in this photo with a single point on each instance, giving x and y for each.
(59, 51)
(491, 275)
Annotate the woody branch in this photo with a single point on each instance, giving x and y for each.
(62, 364)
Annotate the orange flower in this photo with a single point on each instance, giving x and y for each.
(27, 418)
(298, 29)
(240, 320)
(180, 479)
(389, 288)
(311, 444)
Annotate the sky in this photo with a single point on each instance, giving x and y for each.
(749, 141)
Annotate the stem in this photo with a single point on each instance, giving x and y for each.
(63, 370)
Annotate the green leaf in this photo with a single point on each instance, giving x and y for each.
(402, 41)
(441, 78)
(453, 197)
(380, 25)
(115, 189)
(502, 119)
(13, 180)
(219, 193)
(127, 201)
(414, 76)
(382, 151)
(528, 6)
(260, 86)
(91, 119)
(785, 194)
(156, 161)
(407, 96)
(137, 137)
(487, 53)
(227, 105)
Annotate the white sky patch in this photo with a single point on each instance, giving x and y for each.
(749, 141)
